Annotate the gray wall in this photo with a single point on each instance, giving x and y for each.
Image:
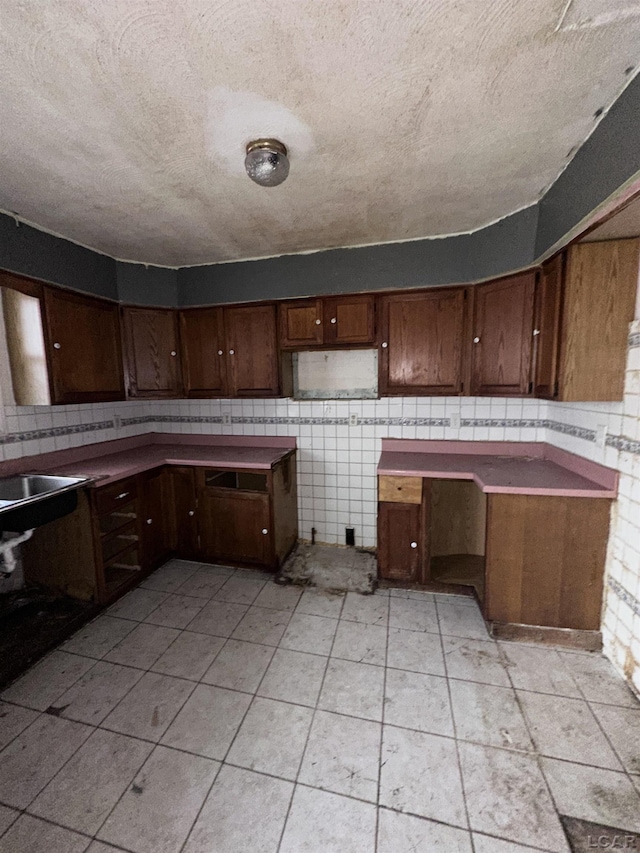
(607, 160)
(34, 253)
(140, 285)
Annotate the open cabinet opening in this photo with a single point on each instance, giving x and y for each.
(457, 534)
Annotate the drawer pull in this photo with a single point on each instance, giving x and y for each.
(318, 322)
(57, 346)
(265, 531)
(149, 521)
(414, 544)
(384, 345)
(334, 320)
(220, 352)
(536, 332)
(121, 496)
(174, 353)
(191, 513)
(232, 352)
(476, 340)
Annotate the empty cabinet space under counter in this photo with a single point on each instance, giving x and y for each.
(525, 526)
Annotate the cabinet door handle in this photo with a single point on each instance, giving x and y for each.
(334, 319)
(191, 513)
(476, 340)
(232, 352)
(220, 352)
(536, 332)
(384, 345)
(174, 353)
(318, 322)
(121, 495)
(149, 520)
(264, 531)
(57, 346)
(414, 544)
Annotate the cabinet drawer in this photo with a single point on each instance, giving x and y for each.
(115, 495)
(405, 490)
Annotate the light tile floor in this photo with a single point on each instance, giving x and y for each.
(212, 711)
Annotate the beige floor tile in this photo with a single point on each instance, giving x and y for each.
(411, 763)
(240, 590)
(85, 790)
(47, 680)
(169, 577)
(598, 680)
(149, 707)
(203, 584)
(218, 618)
(13, 720)
(566, 728)
(99, 637)
(7, 817)
(372, 609)
(31, 835)
(97, 693)
(460, 620)
(488, 715)
(262, 625)
(400, 833)
(475, 660)
(279, 597)
(360, 642)
(239, 666)
(538, 669)
(208, 721)
(320, 822)
(293, 677)
(487, 844)
(622, 727)
(272, 738)
(342, 756)
(176, 611)
(321, 602)
(137, 604)
(415, 651)
(313, 634)
(189, 656)
(414, 700)
(591, 793)
(159, 808)
(354, 689)
(412, 615)
(506, 796)
(34, 757)
(245, 811)
(143, 646)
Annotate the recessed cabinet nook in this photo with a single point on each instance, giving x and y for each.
(535, 558)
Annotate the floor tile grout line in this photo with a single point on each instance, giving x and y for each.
(223, 762)
(313, 717)
(455, 737)
(608, 739)
(382, 725)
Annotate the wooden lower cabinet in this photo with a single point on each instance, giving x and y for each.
(156, 517)
(545, 560)
(400, 541)
(185, 511)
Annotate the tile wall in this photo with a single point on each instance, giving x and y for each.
(337, 460)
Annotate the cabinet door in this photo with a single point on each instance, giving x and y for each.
(546, 334)
(599, 299)
(300, 323)
(252, 351)
(235, 527)
(156, 528)
(185, 515)
(151, 346)
(84, 350)
(421, 349)
(502, 334)
(400, 541)
(349, 320)
(204, 361)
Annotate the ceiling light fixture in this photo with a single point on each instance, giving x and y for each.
(266, 162)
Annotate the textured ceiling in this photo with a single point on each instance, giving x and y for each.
(123, 122)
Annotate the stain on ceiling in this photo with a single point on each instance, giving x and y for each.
(123, 124)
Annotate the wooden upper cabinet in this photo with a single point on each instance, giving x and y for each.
(300, 323)
(546, 332)
(151, 352)
(502, 335)
(203, 348)
(349, 320)
(422, 342)
(83, 348)
(252, 351)
(332, 321)
(599, 300)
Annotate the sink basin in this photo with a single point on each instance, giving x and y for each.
(31, 500)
